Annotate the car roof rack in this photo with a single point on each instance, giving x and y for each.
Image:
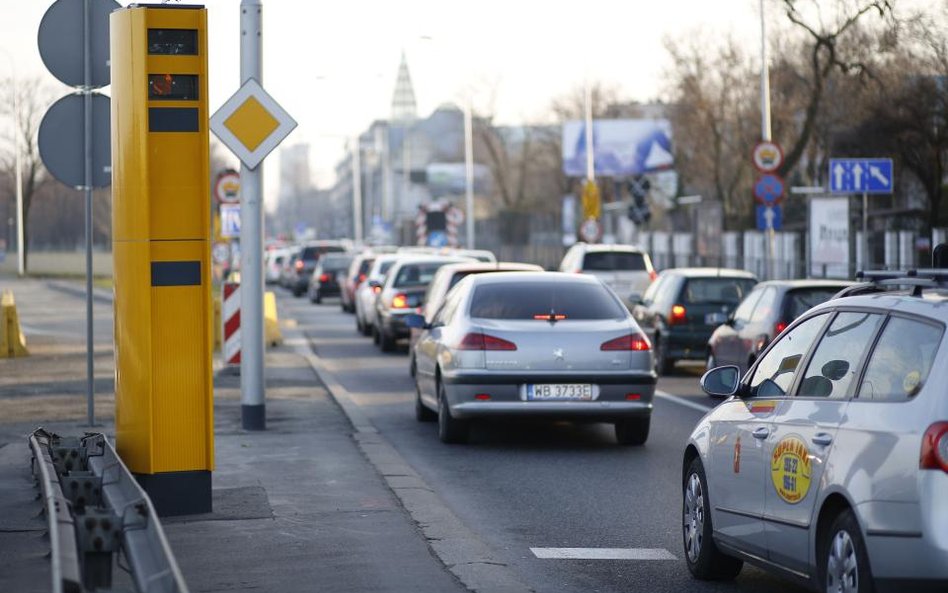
(881, 280)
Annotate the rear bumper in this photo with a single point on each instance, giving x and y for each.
(506, 391)
(687, 344)
(394, 324)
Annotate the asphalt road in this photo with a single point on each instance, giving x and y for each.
(540, 486)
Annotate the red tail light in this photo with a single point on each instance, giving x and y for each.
(479, 341)
(781, 325)
(652, 275)
(324, 277)
(935, 447)
(399, 301)
(482, 397)
(361, 279)
(299, 264)
(635, 342)
(677, 315)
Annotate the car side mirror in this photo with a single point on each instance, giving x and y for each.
(721, 382)
(415, 321)
(375, 284)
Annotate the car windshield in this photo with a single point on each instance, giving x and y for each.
(614, 260)
(716, 290)
(419, 274)
(517, 300)
(801, 300)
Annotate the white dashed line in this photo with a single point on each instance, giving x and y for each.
(684, 402)
(603, 553)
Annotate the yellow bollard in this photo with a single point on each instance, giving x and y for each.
(218, 328)
(12, 340)
(271, 321)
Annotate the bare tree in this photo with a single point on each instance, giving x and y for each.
(33, 98)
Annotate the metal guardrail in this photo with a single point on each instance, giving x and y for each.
(96, 509)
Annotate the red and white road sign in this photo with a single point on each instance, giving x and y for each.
(227, 187)
(230, 318)
(767, 156)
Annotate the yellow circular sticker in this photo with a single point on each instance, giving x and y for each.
(911, 381)
(790, 469)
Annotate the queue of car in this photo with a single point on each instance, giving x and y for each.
(827, 460)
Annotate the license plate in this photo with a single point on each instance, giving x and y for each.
(559, 391)
(715, 318)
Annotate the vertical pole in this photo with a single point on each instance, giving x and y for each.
(252, 384)
(87, 149)
(387, 215)
(865, 231)
(765, 132)
(18, 177)
(357, 189)
(469, 172)
(590, 163)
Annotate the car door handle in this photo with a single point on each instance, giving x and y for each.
(822, 439)
(761, 433)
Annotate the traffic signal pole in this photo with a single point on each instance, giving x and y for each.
(252, 395)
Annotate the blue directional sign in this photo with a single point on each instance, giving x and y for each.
(769, 189)
(230, 220)
(774, 213)
(858, 176)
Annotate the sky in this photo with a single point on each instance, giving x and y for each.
(332, 64)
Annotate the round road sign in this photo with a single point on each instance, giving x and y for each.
(590, 231)
(61, 141)
(767, 156)
(227, 187)
(61, 44)
(769, 189)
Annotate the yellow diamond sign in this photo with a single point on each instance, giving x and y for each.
(251, 124)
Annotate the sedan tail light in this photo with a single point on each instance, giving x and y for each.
(634, 342)
(299, 264)
(781, 325)
(479, 341)
(376, 289)
(935, 447)
(677, 315)
(324, 277)
(400, 301)
(652, 275)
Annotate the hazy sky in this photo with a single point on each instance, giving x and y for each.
(332, 64)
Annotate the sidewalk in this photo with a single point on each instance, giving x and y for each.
(297, 507)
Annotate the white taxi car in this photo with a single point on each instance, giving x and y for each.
(828, 463)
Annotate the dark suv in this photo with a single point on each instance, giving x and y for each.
(681, 309)
(305, 263)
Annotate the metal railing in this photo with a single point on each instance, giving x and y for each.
(96, 510)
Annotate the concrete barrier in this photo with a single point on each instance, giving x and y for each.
(12, 340)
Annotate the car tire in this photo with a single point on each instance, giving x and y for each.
(422, 414)
(366, 329)
(663, 364)
(297, 292)
(705, 561)
(633, 431)
(312, 297)
(386, 341)
(450, 430)
(842, 556)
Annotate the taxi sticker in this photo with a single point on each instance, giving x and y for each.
(790, 469)
(911, 381)
(762, 407)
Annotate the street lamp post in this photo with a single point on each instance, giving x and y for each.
(765, 129)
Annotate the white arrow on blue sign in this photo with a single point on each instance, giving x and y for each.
(857, 176)
(230, 220)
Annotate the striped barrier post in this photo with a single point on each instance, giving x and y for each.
(230, 318)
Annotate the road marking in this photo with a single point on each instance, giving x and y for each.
(684, 402)
(604, 553)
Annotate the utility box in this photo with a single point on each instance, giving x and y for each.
(160, 227)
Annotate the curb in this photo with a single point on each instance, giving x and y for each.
(460, 550)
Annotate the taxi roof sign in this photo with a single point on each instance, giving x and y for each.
(251, 123)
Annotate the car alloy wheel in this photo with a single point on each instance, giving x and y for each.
(704, 559)
(694, 517)
(844, 561)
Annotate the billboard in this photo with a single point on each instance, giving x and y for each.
(829, 237)
(621, 147)
(447, 179)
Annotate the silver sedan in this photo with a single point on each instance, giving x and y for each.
(533, 344)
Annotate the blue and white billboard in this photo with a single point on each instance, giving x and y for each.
(621, 147)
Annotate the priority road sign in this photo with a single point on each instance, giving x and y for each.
(857, 176)
(251, 123)
(769, 189)
(769, 217)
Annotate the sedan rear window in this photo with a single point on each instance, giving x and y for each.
(516, 300)
(608, 261)
(802, 300)
(729, 291)
(314, 251)
(419, 274)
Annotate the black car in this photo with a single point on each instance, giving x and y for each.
(762, 315)
(305, 262)
(683, 306)
(325, 279)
